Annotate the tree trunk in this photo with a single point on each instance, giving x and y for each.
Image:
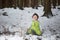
(32, 3)
(54, 3)
(47, 8)
(21, 4)
(3, 3)
(42, 2)
(10, 3)
(18, 3)
(36, 4)
(58, 2)
(29, 3)
(15, 3)
(26, 3)
(39, 2)
(0, 3)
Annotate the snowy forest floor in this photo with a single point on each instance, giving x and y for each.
(16, 21)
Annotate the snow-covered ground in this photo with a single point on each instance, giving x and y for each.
(18, 21)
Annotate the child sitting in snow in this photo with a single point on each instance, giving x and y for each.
(34, 29)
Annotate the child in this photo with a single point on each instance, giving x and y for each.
(34, 29)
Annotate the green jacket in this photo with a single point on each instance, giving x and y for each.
(35, 27)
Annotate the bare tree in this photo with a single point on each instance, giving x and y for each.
(47, 8)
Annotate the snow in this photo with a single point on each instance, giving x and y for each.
(15, 37)
(19, 21)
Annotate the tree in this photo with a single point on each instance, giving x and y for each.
(54, 3)
(34, 3)
(21, 4)
(10, 3)
(29, 3)
(0, 3)
(14, 3)
(42, 2)
(58, 2)
(18, 3)
(47, 8)
(26, 3)
(3, 3)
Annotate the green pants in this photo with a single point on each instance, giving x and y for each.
(32, 32)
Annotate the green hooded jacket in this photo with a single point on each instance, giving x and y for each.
(35, 27)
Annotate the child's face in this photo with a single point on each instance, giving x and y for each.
(35, 17)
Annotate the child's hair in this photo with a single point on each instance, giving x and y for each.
(36, 15)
